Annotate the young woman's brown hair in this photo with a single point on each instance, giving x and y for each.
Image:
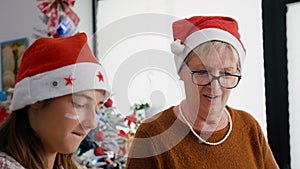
(19, 140)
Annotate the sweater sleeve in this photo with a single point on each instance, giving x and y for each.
(269, 160)
(140, 163)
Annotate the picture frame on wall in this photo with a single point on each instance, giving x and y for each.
(11, 54)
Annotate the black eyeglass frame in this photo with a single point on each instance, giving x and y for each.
(215, 78)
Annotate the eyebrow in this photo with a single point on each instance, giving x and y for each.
(202, 65)
(87, 97)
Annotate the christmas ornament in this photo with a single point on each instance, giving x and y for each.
(108, 103)
(98, 151)
(5, 102)
(122, 133)
(99, 136)
(61, 19)
(3, 95)
(3, 114)
(131, 118)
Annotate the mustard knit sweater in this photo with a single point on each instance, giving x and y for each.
(164, 142)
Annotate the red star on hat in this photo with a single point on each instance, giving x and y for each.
(69, 80)
(100, 76)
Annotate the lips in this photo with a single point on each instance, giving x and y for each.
(210, 96)
(80, 134)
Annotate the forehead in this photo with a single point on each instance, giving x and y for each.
(209, 55)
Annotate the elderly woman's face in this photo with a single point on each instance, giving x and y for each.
(211, 99)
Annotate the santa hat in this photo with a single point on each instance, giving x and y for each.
(53, 67)
(190, 33)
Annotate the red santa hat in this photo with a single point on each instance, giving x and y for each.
(190, 33)
(53, 67)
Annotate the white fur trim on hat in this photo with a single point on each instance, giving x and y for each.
(205, 35)
(176, 47)
(53, 84)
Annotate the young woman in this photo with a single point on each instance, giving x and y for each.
(59, 87)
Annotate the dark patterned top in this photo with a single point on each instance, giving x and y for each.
(7, 162)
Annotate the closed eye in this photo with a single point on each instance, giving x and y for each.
(225, 74)
(201, 72)
(76, 105)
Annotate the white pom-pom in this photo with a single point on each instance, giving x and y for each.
(176, 47)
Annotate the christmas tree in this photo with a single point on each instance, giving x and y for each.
(5, 100)
(107, 146)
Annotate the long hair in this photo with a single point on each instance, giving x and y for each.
(19, 140)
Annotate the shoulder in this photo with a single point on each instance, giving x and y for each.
(7, 162)
(161, 116)
(241, 115)
(245, 122)
(244, 119)
(157, 123)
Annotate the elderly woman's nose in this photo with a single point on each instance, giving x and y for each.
(215, 84)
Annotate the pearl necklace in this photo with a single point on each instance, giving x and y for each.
(201, 139)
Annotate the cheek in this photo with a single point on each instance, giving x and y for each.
(203, 90)
(65, 122)
(226, 94)
(58, 122)
(62, 129)
(193, 91)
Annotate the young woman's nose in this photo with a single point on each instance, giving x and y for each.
(89, 121)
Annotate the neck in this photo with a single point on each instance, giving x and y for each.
(215, 125)
(51, 159)
(204, 139)
(200, 122)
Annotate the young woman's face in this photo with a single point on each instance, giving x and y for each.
(53, 122)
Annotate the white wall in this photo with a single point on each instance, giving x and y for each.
(19, 17)
(293, 36)
(121, 39)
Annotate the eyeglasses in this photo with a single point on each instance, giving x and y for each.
(204, 78)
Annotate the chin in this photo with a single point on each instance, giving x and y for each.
(69, 149)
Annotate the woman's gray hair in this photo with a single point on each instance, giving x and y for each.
(212, 46)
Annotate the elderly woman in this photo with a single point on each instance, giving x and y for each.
(59, 87)
(203, 131)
